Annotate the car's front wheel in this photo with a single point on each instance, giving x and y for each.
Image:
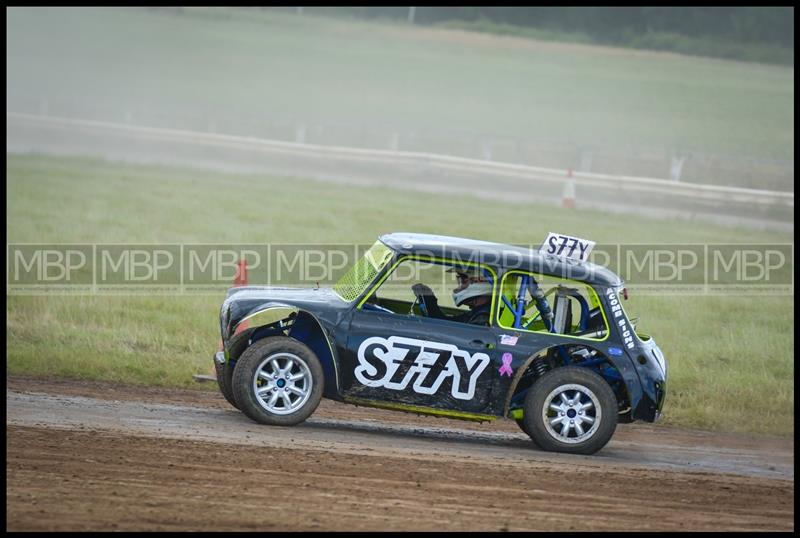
(278, 381)
(236, 346)
(572, 410)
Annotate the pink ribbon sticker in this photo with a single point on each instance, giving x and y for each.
(506, 368)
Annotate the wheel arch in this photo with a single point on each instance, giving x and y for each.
(620, 391)
(274, 319)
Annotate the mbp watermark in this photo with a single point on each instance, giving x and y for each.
(670, 268)
(48, 268)
(311, 264)
(137, 268)
(212, 268)
(752, 268)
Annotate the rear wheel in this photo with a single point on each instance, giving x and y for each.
(278, 381)
(521, 423)
(571, 410)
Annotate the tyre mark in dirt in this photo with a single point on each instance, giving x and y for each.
(359, 437)
(90, 480)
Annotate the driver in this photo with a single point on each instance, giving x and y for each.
(473, 290)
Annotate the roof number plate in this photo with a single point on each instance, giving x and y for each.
(567, 246)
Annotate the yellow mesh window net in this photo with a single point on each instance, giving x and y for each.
(363, 272)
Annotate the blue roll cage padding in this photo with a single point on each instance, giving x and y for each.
(528, 283)
(542, 306)
(508, 304)
(523, 287)
(422, 307)
(608, 373)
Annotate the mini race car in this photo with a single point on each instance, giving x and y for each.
(546, 341)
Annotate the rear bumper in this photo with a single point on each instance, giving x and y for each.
(651, 366)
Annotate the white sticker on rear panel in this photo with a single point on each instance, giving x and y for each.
(567, 246)
(508, 340)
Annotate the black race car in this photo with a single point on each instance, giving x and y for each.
(545, 341)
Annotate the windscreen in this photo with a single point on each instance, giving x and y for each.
(355, 281)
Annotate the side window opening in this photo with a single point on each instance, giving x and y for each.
(542, 303)
(421, 287)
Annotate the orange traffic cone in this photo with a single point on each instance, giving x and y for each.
(240, 279)
(241, 274)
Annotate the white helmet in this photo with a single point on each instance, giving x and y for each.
(474, 289)
(472, 284)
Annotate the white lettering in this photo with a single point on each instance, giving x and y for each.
(380, 359)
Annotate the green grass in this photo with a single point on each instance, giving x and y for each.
(663, 41)
(731, 359)
(254, 64)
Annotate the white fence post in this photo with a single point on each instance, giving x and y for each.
(676, 167)
(568, 194)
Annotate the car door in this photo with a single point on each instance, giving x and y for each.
(410, 360)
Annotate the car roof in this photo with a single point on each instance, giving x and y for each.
(499, 256)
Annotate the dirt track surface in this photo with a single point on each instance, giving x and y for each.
(99, 456)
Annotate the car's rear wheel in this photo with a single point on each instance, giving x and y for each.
(521, 423)
(278, 381)
(571, 410)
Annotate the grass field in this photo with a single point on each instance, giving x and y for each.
(232, 65)
(731, 358)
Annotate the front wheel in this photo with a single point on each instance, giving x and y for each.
(278, 381)
(571, 410)
(236, 346)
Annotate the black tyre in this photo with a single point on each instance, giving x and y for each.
(521, 423)
(225, 390)
(278, 381)
(571, 410)
(224, 372)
